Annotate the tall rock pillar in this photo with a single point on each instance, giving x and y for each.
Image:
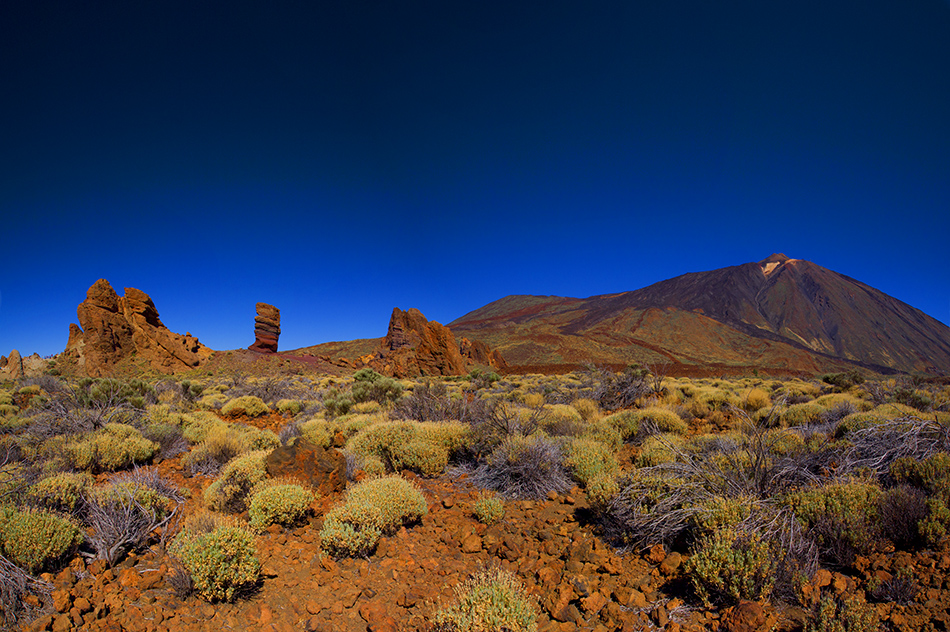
(266, 329)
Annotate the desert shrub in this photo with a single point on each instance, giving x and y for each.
(371, 508)
(113, 447)
(197, 425)
(600, 490)
(220, 445)
(587, 408)
(222, 563)
(843, 381)
(93, 392)
(662, 448)
(280, 503)
(589, 459)
(35, 539)
(842, 517)
(61, 492)
(842, 614)
(756, 399)
(557, 419)
(614, 391)
(346, 532)
(901, 509)
(212, 401)
(857, 421)
(337, 402)
(652, 506)
(368, 385)
(931, 474)
(229, 492)
(424, 457)
(716, 513)
(122, 514)
(936, 526)
(729, 565)
(248, 405)
(382, 440)
(18, 592)
(491, 599)
(168, 437)
(288, 407)
(366, 408)
(801, 414)
(901, 588)
(914, 397)
(533, 400)
(523, 468)
(662, 420)
(488, 508)
(626, 422)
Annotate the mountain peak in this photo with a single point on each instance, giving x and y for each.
(776, 257)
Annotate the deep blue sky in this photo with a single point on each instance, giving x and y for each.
(338, 158)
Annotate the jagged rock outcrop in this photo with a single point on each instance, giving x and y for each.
(414, 346)
(113, 328)
(12, 369)
(266, 329)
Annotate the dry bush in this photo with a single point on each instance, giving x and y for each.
(124, 514)
(15, 585)
(524, 468)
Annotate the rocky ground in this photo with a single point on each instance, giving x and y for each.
(579, 582)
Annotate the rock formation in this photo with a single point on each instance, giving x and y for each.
(266, 329)
(113, 328)
(414, 346)
(12, 369)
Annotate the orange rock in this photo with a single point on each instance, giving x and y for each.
(116, 327)
(748, 616)
(471, 544)
(656, 554)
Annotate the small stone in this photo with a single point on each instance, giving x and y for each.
(471, 544)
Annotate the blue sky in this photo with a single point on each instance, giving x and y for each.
(341, 158)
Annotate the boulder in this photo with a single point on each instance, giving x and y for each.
(415, 346)
(324, 470)
(113, 328)
(266, 329)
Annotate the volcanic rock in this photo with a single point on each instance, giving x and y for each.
(324, 470)
(13, 368)
(415, 346)
(266, 329)
(113, 328)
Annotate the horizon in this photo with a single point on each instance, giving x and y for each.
(340, 160)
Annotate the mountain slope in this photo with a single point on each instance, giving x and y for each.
(777, 313)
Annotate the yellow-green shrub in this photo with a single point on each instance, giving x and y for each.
(533, 400)
(719, 512)
(589, 459)
(488, 508)
(627, 423)
(248, 405)
(278, 503)
(490, 600)
(371, 508)
(843, 614)
(587, 408)
(61, 491)
(428, 459)
(35, 539)
(756, 399)
(288, 407)
(729, 565)
(238, 477)
(658, 449)
(197, 425)
(663, 419)
(212, 401)
(801, 414)
(221, 563)
(112, 447)
(842, 515)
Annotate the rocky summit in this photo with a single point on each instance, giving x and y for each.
(266, 329)
(113, 328)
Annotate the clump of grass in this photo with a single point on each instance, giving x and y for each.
(491, 599)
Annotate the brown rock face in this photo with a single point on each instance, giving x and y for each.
(114, 327)
(13, 368)
(266, 329)
(324, 470)
(415, 346)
